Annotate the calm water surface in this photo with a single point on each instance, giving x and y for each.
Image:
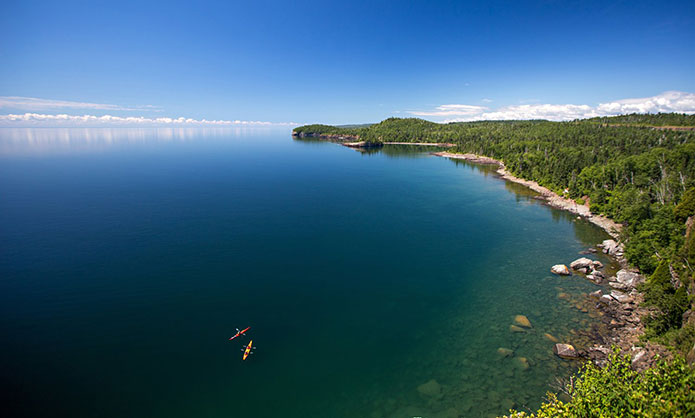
(376, 285)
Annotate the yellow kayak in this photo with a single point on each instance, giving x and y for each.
(248, 350)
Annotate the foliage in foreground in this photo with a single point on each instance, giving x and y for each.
(664, 390)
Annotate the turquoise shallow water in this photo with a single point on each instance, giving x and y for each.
(128, 257)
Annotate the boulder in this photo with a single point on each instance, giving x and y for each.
(581, 263)
(617, 285)
(594, 278)
(620, 297)
(565, 350)
(628, 278)
(560, 269)
(609, 247)
(522, 321)
(597, 265)
(607, 299)
(431, 389)
(689, 317)
(596, 294)
(638, 356)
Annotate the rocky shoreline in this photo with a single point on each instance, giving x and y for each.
(551, 198)
(618, 305)
(620, 314)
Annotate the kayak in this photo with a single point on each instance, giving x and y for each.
(239, 333)
(248, 350)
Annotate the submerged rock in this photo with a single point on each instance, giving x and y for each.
(551, 338)
(447, 413)
(596, 277)
(507, 404)
(581, 263)
(505, 352)
(560, 269)
(514, 328)
(522, 362)
(523, 321)
(431, 389)
(565, 350)
(596, 294)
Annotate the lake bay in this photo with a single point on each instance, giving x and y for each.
(376, 284)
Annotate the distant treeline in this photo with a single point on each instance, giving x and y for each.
(655, 119)
(643, 178)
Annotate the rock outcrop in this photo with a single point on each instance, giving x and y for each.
(582, 263)
(621, 297)
(560, 269)
(565, 350)
(609, 247)
(626, 280)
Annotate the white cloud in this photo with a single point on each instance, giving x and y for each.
(36, 104)
(540, 111)
(40, 119)
(670, 101)
(452, 110)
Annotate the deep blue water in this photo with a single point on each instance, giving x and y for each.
(129, 256)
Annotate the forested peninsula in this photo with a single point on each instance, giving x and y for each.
(637, 170)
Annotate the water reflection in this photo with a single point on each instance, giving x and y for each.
(391, 151)
(27, 141)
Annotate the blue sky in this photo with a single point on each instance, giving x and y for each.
(344, 62)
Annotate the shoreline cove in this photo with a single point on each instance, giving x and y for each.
(620, 310)
(616, 300)
(551, 198)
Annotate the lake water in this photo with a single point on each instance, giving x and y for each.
(129, 256)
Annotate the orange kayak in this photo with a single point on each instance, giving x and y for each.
(238, 333)
(248, 350)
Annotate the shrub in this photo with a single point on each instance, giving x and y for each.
(665, 390)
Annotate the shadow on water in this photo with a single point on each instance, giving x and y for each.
(584, 230)
(391, 151)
